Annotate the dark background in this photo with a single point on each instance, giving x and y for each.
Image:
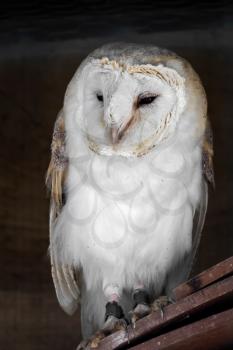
(41, 46)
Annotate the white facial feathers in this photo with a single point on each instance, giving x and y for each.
(113, 120)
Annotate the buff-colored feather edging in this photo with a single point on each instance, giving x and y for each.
(58, 164)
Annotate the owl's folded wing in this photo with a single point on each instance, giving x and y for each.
(64, 277)
(208, 177)
(207, 155)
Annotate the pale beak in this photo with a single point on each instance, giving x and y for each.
(118, 132)
(114, 135)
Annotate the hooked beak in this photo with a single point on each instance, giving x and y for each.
(118, 132)
(114, 131)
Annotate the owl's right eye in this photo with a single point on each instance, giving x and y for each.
(100, 97)
(146, 100)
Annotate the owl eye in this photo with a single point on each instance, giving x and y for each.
(146, 100)
(100, 97)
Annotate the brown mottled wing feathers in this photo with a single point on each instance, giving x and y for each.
(207, 155)
(63, 275)
(58, 165)
(200, 212)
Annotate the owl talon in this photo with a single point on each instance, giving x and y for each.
(140, 311)
(114, 324)
(82, 345)
(111, 325)
(114, 318)
(161, 312)
(160, 303)
(171, 300)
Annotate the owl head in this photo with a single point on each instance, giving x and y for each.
(127, 99)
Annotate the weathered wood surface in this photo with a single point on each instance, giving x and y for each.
(205, 278)
(214, 332)
(193, 304)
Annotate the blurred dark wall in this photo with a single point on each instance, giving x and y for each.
(39, 53)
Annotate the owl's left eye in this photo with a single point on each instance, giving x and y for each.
(100, 97)
(146, 100)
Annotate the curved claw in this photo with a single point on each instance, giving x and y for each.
(83, 345)
(114, 324)
(160, 303)
(140, 311)
(171, 300)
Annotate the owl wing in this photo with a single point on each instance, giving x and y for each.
(208, 177)
(64, 277)
(207, 155)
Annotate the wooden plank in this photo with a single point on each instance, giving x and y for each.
(214, 332)
(205, 278)
(186, 307)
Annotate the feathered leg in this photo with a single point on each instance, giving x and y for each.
(143, 307)
(114, 315)
(141, 304)
(114, 318)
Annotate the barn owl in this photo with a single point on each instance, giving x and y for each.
(131, 159)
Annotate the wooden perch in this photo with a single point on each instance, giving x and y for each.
(212, 332)
(205, 278)
(201, 318)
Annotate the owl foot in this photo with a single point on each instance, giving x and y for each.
(114, 321)
(138, 312)
(114, 324)
(91, 343)
(142, 307)
(111, 325)
(160, 303)
(114, 318)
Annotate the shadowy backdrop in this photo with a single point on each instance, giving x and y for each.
(41, 46)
